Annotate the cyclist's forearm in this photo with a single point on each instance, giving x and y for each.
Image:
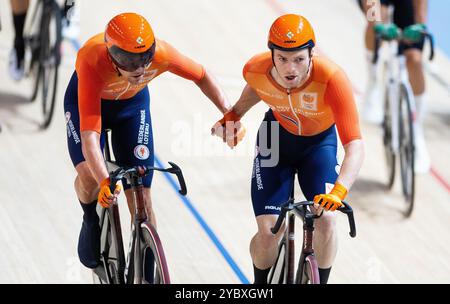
(90, 145)
(248, 99)
(353, 159)
(420, 11)
(211, 88)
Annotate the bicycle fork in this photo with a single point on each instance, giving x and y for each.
(127, 274)
(393, 98)
(135, 242)
(134, 257)
(394, 94)
(290, 250)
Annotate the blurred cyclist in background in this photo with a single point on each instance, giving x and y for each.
(410, 16)
(19, 12)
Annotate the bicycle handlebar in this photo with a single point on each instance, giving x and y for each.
(379, 38)
(289, 205)
(431, 40)
(141, 171)
(284, 209)
(347, 209)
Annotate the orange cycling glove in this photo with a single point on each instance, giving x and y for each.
(333, 200)
(105, 197)
(229, 128)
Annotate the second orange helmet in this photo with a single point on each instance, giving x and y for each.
(291, 32)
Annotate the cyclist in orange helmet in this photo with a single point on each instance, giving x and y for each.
(108, 90)
(130, 41)
(309, 97)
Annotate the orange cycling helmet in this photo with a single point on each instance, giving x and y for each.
(290, 33)
(130, 41)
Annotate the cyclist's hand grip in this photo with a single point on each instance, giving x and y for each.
(351, 219)
(114, 178)
(177, 171)
(431, 39)
(280, 219)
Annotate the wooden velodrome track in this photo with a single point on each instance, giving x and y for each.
(40, 217)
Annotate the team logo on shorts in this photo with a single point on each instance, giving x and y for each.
(141, 152)
(68, 115)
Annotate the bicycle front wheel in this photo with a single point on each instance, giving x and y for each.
(406, 149)
(112, 268)
(154, 264)
(308, 271)
(50, 58)
(276, 274)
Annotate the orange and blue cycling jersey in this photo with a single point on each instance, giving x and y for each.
(324, 100)
(306, 142)
(98, 79)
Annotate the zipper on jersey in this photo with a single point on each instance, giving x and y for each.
(126, 89)
(295, 114)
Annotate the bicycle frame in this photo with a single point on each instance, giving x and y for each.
(307, 246)
(289, 211)
(397, 76)
(113, 216)
(140, 217)
(142, 231)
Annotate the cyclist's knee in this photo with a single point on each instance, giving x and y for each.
(414, 57)
(86, 186)
(265, 235)
(267, 239)
(326, 224)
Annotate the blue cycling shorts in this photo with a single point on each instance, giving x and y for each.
(314, 158)
(130, 124)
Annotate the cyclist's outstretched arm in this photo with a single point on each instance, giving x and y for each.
(90, 145)
(210, 87)
(229, 127)
(248, 99)
(187, 68)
